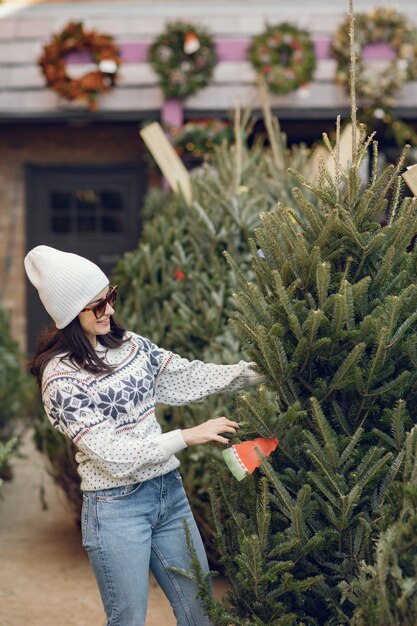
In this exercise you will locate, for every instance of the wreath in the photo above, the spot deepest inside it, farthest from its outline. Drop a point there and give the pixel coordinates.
(90, 86)
(285, 56)
(184, 58)
(198, 138)
(381, 25)
(388, 126)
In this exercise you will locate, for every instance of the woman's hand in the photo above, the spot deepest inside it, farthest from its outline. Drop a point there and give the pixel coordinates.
(209, 431)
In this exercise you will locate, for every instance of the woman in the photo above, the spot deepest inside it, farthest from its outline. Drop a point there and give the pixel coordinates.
(100, 385)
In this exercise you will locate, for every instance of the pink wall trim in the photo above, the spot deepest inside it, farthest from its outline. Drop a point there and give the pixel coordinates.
(172, 113)
(232, 50)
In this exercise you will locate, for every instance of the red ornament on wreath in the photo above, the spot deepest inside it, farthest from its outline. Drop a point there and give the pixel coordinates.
(101, 48)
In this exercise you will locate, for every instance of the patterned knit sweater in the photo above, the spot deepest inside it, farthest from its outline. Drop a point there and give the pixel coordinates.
(111, 417)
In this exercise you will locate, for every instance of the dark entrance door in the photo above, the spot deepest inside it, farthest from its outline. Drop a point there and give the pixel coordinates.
(90, 210)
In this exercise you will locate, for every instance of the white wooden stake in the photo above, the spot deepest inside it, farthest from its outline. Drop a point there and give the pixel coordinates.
(410, 177)
(167, 159)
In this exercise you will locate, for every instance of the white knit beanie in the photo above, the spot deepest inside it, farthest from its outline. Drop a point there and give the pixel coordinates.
(66, 282)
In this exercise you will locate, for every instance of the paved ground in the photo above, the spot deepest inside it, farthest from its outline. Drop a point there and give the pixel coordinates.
(45, 577)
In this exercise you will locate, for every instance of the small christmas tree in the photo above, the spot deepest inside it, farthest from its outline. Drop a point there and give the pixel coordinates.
(330, 319)
(17, 396)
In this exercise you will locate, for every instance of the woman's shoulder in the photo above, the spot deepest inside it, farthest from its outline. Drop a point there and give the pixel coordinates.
(58, 366)
(141, 342)
(59, 361)
(145, 345)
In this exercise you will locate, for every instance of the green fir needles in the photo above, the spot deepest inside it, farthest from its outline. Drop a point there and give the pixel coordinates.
(330, 318)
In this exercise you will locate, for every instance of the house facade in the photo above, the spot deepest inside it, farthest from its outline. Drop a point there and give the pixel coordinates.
(75, 178)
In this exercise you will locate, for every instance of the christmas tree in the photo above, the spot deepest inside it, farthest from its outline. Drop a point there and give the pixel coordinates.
(329, 317)
(176, 287)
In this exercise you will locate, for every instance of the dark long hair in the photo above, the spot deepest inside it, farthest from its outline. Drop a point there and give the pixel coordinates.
(72, 343)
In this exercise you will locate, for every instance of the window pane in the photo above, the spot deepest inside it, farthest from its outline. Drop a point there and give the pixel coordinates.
(61, 223)
(60, 200)
(86, 223)
(112, 223)
(86, 199)
(87, 211)
(112, 200)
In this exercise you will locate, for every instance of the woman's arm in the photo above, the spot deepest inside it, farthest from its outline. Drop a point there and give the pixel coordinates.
(118, 451)
(180, 381)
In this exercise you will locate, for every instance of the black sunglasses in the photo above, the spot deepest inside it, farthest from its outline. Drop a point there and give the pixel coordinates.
(100, 308)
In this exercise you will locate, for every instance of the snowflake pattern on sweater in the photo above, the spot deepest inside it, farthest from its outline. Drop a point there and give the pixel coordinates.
(111, 417)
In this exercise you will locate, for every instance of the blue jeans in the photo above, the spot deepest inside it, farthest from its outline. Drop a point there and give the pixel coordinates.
(126, 531)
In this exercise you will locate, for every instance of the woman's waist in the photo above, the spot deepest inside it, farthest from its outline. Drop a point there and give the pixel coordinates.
(95, 478)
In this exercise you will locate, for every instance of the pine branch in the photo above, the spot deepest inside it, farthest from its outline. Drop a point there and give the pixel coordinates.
(371, 464)
(356, 437)
(341, 376)
(410, 454)
(341, 420)
(282, 493)
(253, 409)
(317, 480)
(263, 516)
(219, 528)
(213, 608)
(411, 347)
(323, 282)
(287, 305)
(327, 471)
(392, 474)
(352, 82)
(396, 384)
(238, 147)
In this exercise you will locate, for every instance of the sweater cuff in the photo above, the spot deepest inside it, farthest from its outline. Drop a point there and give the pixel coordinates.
(172, 442)
(253, 377)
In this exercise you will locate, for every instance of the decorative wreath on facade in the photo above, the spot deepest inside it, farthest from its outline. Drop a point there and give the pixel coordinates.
(101, 48)
(380, 26)
(198, 138)
(285, 56)
(387, 126)
(184, 58)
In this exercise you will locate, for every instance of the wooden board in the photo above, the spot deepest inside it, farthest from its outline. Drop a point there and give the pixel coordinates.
(410, 177)
(345, 155)
(167, 159)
